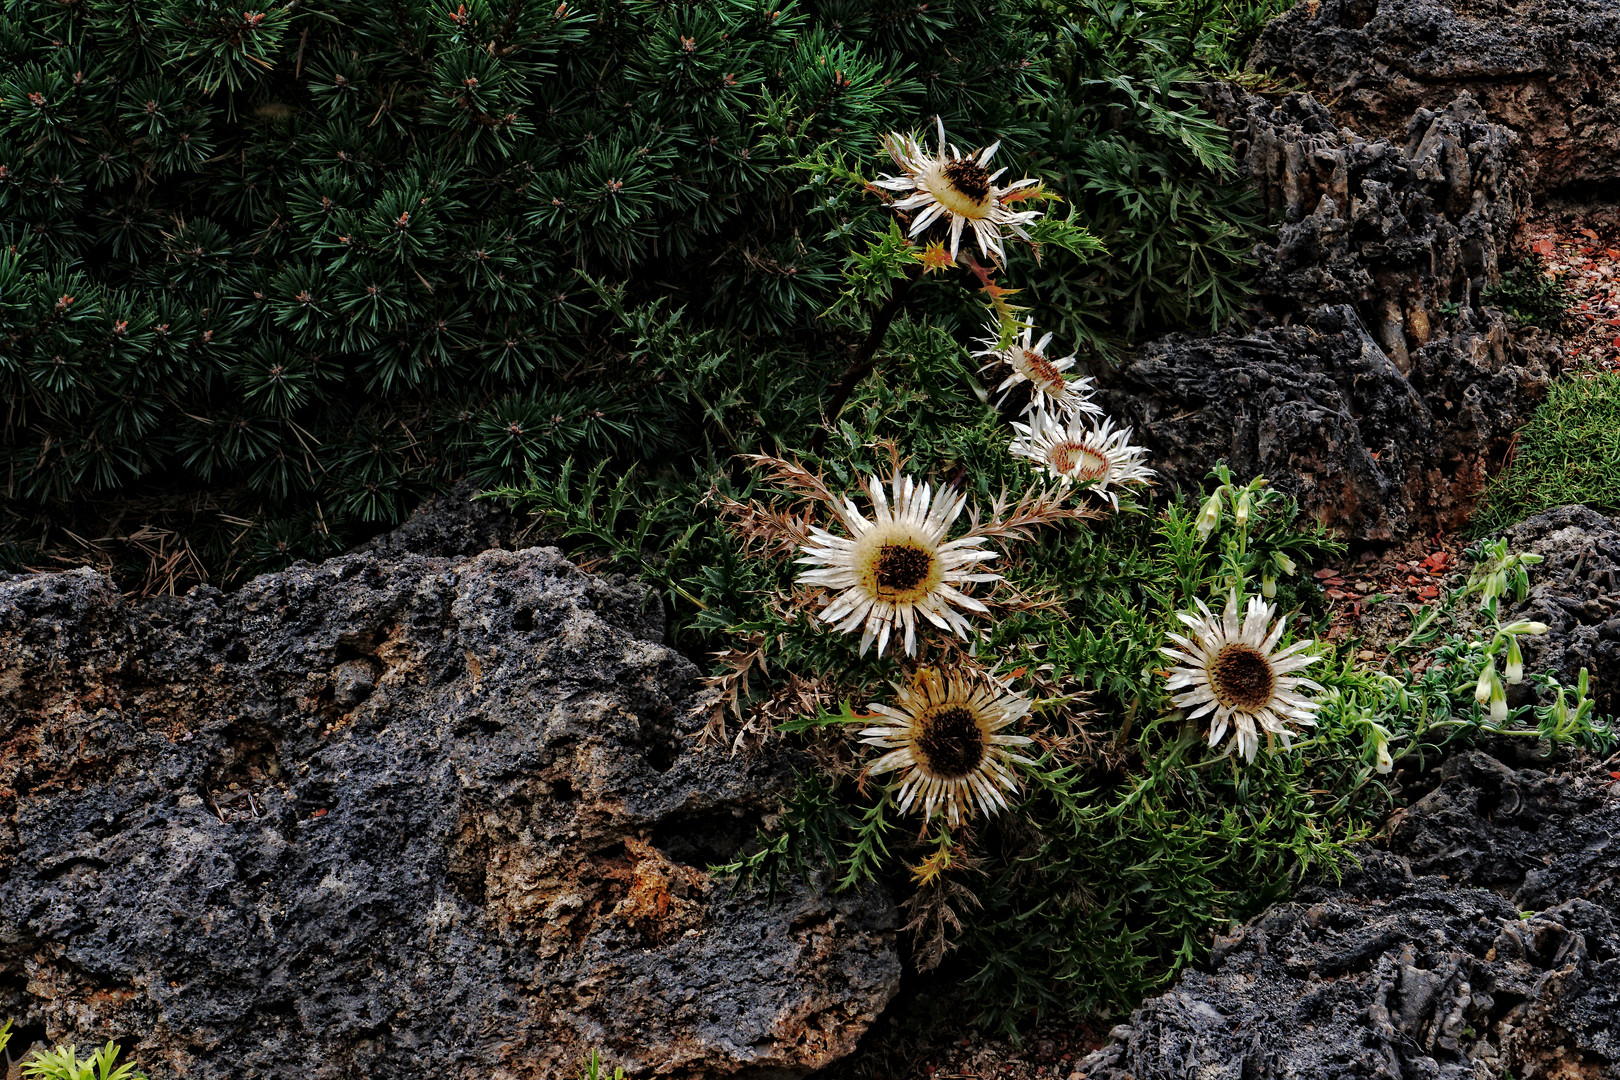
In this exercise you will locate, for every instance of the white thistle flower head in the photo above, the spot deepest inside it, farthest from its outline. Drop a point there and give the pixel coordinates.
(957, 187)
(1026, 359)
(1232, 668)
(946, 738)
(1073, 451)
(898, 566)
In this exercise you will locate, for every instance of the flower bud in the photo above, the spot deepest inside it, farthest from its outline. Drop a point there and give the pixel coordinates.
(1209, 516)
(1487, 675)
(1499, 711)
(1385, 762)
(1525, 626)
(1241, 514)
(1515, 662)
(1268, 587)
(1286, 565)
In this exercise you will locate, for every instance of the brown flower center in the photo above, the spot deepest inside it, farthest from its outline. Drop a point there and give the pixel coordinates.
(951, 741)
(1242, 677)
(1079, 460)
(899, 568)
(969, 177)
(1044, 372)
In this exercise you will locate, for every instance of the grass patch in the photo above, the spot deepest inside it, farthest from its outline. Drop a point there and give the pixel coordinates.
(1568, 453)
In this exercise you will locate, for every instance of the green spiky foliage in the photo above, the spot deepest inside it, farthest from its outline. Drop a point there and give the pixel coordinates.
(269, 276)
(64, 1063)
(1131, 843)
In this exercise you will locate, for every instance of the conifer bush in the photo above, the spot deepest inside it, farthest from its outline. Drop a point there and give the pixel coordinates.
(267, 277)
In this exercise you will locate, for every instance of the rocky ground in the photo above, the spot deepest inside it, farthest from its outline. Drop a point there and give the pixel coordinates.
(1580, 245)
(1524, 989)
(1377, 387)
(1542, 67)
(1481, 943)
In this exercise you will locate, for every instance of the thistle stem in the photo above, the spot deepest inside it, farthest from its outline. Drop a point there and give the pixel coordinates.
(864, 359)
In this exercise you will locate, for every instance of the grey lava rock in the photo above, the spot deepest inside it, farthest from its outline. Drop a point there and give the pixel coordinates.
(1381, 395)
(1483, 944)
(1407, 231)
(397, 817)
(1576, 592)
(454, 522)
(1545, 68)
(1320, 409)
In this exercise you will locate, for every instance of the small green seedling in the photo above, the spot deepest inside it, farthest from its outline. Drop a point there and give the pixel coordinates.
(593, 1069)
(64, 1063)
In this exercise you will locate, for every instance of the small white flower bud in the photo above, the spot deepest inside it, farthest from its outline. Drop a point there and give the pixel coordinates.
(1209, 516)
(1515, 662)
(1385, 762)
(1487, 676)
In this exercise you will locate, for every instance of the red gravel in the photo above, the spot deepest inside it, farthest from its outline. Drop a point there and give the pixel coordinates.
(1582, 245)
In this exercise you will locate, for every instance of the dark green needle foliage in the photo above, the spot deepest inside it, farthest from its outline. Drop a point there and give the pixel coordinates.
(268, 276)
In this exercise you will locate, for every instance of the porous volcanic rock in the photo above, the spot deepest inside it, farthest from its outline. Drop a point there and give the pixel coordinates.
(1406, 231)
(397, 817)
(1482, 944)
(1546, 68)
(1576, 592)
(1321, 410)
(1378, 390)
(454, 522)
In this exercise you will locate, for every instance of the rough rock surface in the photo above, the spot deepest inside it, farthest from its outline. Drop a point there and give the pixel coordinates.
(1483, 944)
(1545, 68)
(1383, 394)
(1576, 592)
(396, 817)
(454, 522)
(1319, 408)
(1403, 230)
